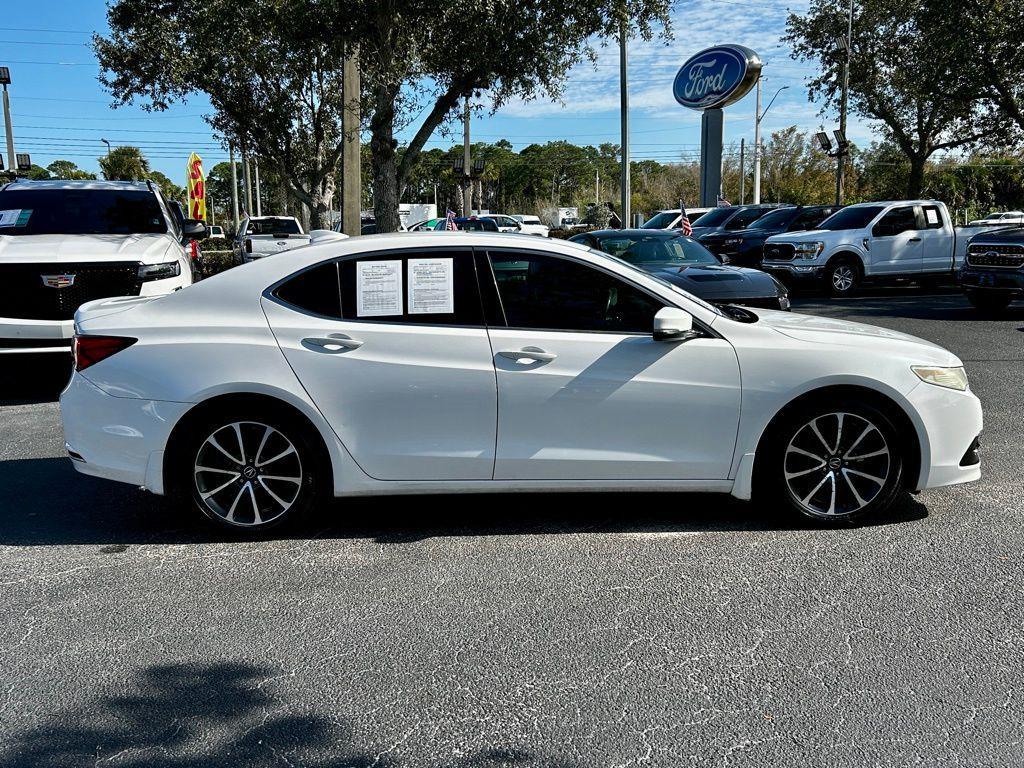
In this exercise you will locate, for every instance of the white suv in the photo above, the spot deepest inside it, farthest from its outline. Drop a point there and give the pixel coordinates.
(63, 243)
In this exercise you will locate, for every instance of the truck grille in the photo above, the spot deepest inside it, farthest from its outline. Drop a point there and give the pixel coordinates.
(1005, 256)
(778, 252)
(25, 295)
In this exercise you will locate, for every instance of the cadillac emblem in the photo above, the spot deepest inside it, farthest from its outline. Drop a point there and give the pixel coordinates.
(58, 281)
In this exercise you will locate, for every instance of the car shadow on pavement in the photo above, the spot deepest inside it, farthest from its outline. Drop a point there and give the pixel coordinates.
(216, 713)
(46, 502)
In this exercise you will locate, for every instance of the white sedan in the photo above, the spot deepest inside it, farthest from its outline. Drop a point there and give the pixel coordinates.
(427, 364)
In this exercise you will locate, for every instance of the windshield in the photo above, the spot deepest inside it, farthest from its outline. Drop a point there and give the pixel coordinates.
(674, 251)
(745, 218)
(80, 212)
(775, 220)
(274, 227)
(855, 217)
(661, 220)
(716, 217)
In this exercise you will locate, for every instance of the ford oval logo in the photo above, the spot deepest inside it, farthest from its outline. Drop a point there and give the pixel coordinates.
(716, 77)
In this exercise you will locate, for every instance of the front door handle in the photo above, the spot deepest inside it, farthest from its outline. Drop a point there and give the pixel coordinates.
(534, 354)
(332, 342)
(915, 240)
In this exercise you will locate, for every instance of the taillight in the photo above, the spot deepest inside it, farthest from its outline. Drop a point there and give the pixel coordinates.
(89, 350)
(248, 246)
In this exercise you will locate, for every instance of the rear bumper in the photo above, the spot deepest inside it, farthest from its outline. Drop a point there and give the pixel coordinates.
(117, 438)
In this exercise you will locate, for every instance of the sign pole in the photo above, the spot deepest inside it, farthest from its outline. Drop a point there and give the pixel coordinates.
(626, 182)
(712, 126)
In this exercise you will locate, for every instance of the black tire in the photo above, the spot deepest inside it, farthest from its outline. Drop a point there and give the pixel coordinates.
(821, 479)
(989, 302)
(274, 462)
(843, 276)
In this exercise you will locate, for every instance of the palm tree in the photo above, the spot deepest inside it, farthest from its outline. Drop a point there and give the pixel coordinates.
(125, 164)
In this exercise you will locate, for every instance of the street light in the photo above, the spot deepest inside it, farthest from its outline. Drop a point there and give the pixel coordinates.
(108, 146)
(758, 117)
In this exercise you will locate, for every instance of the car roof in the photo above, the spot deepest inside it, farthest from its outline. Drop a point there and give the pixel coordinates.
(665, 234)
(68, 184)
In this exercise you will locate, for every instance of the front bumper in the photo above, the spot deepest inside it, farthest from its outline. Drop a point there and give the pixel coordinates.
(952, 421)
(31, 336)
(790, 272)
(997, 279)
(117, 438)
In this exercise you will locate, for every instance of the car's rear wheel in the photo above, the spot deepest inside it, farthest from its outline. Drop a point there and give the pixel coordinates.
(833, 463)
(251, 472)
(843, 276)
(989, 302)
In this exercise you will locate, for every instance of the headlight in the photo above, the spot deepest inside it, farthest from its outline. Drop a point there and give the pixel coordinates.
(159, 271)
(950, 378)
(808, 250)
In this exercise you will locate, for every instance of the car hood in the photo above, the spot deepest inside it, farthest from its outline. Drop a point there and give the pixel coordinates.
(826, 330)
(744, 234)
(699, 232)
(716, 282)
(148, 249)
(802, 237)
(1014, 235)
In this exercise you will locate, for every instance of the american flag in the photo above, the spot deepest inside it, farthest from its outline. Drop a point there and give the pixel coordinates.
(723, 203)
(449, 223)
(684, 220)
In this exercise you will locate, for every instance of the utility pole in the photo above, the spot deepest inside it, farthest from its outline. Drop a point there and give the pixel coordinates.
(467, 185)
(234, 184)
(624, 219)
(743, 172)
(259, 197)
(841, 149)
(5, 80)
(757, 144)
(351, 162)
(247, 182)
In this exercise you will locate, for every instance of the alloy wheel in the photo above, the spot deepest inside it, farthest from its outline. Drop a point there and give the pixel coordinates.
(836, 464)
(843, 278)
(247, 473)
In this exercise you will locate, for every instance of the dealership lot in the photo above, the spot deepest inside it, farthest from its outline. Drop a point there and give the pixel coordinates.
(547, 630)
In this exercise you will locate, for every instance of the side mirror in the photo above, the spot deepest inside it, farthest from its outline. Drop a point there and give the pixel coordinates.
(194, 229)
(671, 324)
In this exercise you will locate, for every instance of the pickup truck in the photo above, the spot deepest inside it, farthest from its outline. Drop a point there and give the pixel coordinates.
(895, 240)
(993, 272)
(262, 236)
(65, 243)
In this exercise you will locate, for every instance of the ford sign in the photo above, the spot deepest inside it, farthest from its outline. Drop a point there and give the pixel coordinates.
(716, 77)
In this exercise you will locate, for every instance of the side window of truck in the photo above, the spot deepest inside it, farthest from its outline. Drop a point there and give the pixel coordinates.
(895, 222)
(931, 217)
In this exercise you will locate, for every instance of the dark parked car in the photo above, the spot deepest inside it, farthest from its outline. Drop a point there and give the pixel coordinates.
(743, 247)
(730, 218)
(993, 272)
(686, 263)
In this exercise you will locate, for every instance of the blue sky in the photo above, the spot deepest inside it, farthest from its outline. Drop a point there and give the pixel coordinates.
(61, 111)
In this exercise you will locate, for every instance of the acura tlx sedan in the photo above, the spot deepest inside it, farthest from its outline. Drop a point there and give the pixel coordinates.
(442, 362)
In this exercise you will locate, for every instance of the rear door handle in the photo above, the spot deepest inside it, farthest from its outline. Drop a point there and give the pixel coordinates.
(332, 342)
(536, 354)
(915, 240)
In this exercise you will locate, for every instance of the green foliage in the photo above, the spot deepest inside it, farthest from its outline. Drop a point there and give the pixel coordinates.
(65, 169)
(124, 164)
(168, 188)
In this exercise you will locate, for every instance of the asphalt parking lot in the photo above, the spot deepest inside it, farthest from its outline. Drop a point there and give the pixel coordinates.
(539, 630)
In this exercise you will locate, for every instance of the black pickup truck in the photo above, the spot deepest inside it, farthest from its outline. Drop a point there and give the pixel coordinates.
(993, 272)
(743, 248)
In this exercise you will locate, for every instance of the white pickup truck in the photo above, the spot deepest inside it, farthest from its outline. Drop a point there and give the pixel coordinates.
(895, 240)
(64, 243)
(261, 236)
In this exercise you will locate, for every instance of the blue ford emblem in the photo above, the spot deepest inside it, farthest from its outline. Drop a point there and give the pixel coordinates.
(716, 77)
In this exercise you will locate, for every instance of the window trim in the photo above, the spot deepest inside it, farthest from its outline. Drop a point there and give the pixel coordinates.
(270, 293)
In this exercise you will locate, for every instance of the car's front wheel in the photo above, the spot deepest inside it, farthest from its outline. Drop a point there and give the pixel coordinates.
(251, 472)
(843, 276)
(832, 463)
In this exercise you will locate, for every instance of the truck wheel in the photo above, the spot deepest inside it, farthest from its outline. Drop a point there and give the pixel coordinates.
(843, 276)
(989, 302)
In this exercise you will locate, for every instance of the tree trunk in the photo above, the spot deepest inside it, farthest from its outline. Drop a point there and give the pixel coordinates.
(384, 162)
(915, 181)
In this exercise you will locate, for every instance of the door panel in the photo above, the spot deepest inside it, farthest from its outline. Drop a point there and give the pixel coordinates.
(896, 243)
(611, 406)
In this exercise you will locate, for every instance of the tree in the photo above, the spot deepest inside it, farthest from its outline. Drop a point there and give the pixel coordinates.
(420, 58)
(38, 173)
(65, 169)
(124, 164)
(900, 74)
(168, 188)
(275, 81)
